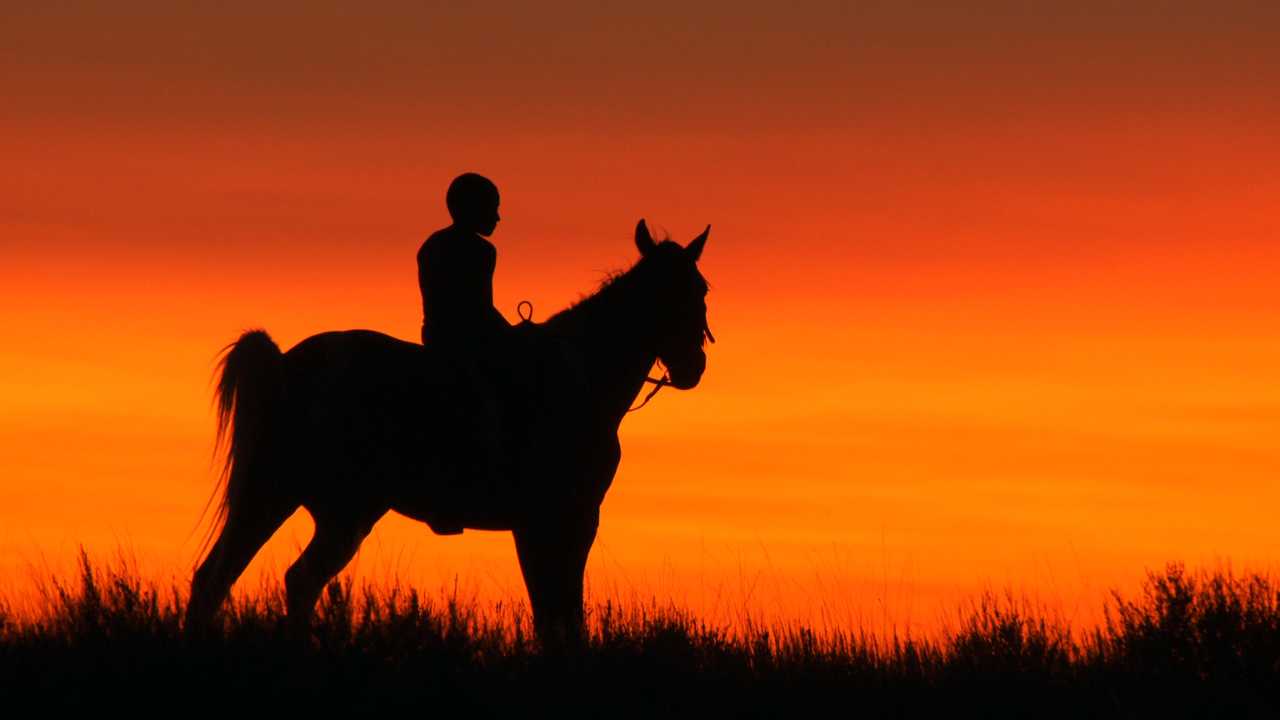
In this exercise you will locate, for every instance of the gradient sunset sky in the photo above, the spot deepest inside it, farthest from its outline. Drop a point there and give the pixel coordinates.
(995, 283)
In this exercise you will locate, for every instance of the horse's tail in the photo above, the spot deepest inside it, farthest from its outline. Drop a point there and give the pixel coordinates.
(250, 373)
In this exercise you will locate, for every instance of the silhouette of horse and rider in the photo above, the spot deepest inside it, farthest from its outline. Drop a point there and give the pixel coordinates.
(484, 425)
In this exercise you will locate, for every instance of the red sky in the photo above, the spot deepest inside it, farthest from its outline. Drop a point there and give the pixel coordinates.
(994, 286)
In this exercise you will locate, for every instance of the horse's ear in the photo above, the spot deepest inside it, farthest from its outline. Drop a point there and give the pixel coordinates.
(695, 248)
(644, 241)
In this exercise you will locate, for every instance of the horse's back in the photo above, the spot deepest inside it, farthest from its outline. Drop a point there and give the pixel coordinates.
(361, 372)
(353, 341)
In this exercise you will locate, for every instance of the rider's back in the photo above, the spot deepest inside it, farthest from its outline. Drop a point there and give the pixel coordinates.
(455, 275)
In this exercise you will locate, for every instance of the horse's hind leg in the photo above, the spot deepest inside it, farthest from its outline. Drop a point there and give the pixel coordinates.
(244, 533)
(335, 542)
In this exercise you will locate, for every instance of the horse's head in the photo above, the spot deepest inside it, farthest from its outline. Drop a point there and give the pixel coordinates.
(680, 295)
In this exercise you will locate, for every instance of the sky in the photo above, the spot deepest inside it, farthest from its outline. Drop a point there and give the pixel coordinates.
(994, 285)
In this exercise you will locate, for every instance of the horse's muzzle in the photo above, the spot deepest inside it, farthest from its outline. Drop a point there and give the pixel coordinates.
(686, 375)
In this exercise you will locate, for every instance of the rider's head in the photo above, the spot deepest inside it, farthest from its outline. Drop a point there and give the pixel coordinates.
(473, 203)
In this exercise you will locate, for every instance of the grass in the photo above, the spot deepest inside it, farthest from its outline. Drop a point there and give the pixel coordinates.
(1190, 645)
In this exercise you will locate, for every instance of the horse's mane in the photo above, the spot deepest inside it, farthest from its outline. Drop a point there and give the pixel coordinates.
(614, 286)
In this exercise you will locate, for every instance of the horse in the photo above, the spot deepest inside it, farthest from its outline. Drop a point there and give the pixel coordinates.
(353, 424)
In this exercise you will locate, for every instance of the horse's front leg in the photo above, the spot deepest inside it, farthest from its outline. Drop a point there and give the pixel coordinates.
(553, 557)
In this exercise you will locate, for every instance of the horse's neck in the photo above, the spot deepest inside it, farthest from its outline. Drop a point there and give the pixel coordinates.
(619, 374)
(615, 360)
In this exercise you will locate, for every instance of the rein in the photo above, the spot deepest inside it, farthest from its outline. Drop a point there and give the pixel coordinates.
(658, 384)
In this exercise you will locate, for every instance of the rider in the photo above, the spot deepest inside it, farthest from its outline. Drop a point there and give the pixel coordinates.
(455, 270)
(459, 321)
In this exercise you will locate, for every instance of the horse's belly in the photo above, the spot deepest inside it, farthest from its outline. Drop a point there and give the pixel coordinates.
(445, 520)
(449, 500)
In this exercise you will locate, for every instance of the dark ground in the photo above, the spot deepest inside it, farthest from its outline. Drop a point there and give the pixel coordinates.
(1192, 645)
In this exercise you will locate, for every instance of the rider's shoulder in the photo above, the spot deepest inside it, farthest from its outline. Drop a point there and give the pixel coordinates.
(439, 240)
(443, 235)
(451, 246)
(455, 237)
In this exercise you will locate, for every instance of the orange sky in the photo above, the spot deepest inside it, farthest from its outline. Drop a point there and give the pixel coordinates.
(994, 289)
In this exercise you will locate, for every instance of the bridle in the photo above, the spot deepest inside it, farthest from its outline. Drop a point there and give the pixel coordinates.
(665, 380)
